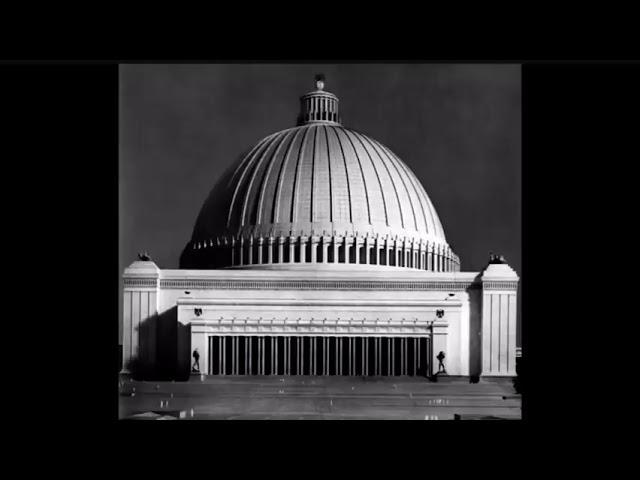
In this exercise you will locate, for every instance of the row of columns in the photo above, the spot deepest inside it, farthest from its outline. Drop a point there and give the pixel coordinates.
(337, 249)
(318, 107)
(351, 356)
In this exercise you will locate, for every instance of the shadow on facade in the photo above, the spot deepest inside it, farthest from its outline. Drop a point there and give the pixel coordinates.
(157, 359)
(475, 333)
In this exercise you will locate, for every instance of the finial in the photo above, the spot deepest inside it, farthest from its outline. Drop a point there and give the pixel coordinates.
(320, 81)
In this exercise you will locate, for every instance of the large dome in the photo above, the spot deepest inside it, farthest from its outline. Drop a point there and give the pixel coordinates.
(307, 194)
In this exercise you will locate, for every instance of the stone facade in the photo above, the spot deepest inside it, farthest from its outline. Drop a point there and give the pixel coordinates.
(169, 313)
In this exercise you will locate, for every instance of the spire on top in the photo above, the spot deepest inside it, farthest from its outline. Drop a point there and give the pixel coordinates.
(320, 81)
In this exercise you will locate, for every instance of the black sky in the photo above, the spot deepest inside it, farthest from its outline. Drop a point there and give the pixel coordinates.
(458, 127)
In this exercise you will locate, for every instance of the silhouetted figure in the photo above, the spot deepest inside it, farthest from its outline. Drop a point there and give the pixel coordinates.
(196, 361)
(440, 358)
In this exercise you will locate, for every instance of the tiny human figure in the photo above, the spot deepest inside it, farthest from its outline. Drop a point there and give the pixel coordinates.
(196, 361)
(440, 358)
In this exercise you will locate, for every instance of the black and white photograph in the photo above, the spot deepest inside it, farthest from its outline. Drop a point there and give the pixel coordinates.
(319, 241)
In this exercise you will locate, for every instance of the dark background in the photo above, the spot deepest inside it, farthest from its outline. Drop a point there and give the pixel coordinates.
(579, 141)
(457, 126)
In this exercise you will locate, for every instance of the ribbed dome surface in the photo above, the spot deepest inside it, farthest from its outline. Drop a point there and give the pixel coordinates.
(319, 193)
(320, 178)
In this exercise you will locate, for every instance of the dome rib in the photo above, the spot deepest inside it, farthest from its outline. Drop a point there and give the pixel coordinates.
(346, 172)
(281, 180)
(393, 184)
(267, 154)
(261, 146)
(364, 180)
(393, 158)
(326, 140)
(406, 189)
(378, 182)
(421, 195)
(296, 180)
(265, 178)
(312, 200)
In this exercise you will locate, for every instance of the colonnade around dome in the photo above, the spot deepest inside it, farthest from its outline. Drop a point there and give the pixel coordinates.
(353, 250)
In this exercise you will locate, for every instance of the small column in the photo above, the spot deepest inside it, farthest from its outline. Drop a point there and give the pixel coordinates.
(272, 359)
(435, 258)
(292, 246)
(259, 357)
(233, 249)
(314, 249)
(251, 355)
(224, 355)
(375, 253)
(302, 356)
(388, 356)
(416, 255)
(270, 243)
(347, 246)
(233, 355)
(367, 250)
(251, 250)
(335, 249)
(314, 361)
(246, 355)
(340, 357)
(385, 245)
(303, 249)
(366, 355)
(375, 356)
(260, 249)
(444, 259)
(237, 355)
(284, 355)
(357, 247)
(335, 343)
(406, 355)
(430, 256)
(280, 249)
(405, 253)
(326, 355)
(325, 249)
(393, 356)
(241, 251)
(277, 360)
